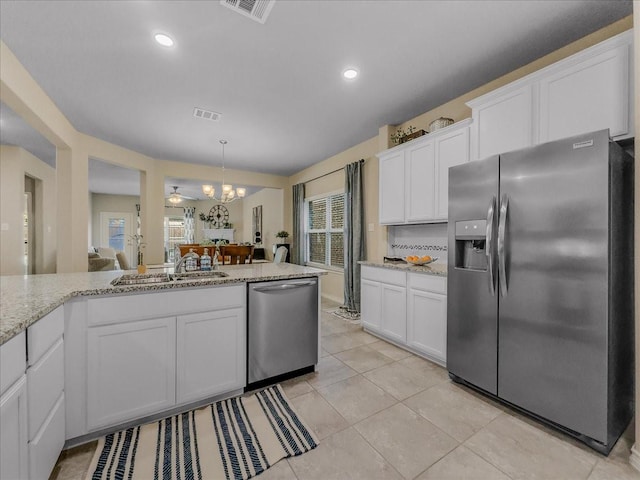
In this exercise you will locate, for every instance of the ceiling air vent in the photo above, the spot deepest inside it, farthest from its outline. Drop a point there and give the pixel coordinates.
(206, 114)
(257, 10)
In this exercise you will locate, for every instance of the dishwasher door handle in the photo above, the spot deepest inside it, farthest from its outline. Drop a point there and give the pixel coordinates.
(284, 286)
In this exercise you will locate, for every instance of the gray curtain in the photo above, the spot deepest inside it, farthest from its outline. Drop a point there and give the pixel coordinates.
(354, 245)
(189, 224)
(297, 247)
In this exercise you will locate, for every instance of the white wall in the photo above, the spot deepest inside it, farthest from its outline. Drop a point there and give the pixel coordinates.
(110, 203)
(15, 163)
(272, 201)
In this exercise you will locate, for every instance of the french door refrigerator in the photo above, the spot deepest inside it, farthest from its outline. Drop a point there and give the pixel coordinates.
(540, 283)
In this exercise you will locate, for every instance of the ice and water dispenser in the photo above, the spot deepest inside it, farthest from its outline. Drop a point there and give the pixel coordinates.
(470, 252)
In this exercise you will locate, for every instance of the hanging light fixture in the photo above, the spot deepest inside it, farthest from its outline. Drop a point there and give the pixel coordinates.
(229, 194)
(175, 197)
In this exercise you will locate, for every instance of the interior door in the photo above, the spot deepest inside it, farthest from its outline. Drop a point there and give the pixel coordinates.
(116, 229)
(554, 282)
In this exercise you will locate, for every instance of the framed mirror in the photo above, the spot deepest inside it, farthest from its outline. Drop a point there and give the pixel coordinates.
(257, 225)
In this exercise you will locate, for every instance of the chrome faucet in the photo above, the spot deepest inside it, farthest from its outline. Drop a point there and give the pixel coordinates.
(180, 263)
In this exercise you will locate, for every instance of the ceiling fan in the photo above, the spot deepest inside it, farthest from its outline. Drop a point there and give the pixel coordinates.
(176, 197)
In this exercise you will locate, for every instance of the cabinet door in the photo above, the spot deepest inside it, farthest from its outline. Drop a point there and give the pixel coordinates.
(394, 312)
(370, 304)
(427, 323)
(451, 150)
(131, 370)
(46, 446)
(420, 194)
(45, 380)
(392, 189)
(503, 123)
(211, 353)
(13, 434)
(588, 96)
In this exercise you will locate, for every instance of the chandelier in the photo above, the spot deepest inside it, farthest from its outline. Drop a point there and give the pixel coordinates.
(229, 194)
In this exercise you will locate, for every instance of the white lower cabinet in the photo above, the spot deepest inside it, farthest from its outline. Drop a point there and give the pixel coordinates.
(384, 301)
(45, 399)
(14, 452)
(427, 317)
(370, 303)
(409, 309)
(46, 445)
(394, 311)
(210, 354)
(137, 355)
(131, 370)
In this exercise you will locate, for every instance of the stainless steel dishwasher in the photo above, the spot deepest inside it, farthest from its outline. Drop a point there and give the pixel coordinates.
(282, 330)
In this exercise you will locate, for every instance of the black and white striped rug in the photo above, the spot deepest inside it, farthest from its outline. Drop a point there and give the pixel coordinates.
(236, 438)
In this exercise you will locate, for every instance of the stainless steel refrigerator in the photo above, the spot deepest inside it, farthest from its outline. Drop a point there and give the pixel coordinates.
(540, 283)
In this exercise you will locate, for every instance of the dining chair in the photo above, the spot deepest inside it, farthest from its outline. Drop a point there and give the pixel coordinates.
(236, 254)
(281, 255)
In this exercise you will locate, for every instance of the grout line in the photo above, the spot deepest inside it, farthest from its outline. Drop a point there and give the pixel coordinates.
(375, 450)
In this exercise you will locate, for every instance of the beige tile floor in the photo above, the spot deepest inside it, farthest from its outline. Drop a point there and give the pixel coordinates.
(383, 413)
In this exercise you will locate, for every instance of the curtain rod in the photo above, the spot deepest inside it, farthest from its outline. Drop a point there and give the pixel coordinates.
(362, 160)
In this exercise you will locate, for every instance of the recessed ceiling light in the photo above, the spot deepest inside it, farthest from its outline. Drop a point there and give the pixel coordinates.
(163, 39)
(350, 73)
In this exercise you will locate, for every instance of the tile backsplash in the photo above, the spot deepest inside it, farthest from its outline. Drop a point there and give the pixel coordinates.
(420, 240)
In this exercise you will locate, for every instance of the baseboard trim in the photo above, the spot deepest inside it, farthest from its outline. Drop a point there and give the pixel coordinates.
(634, 458)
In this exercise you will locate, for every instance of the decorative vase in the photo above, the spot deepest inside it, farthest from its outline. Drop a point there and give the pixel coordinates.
(142, 268)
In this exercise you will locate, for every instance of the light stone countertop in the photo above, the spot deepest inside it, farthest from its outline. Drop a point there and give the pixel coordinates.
(437, 269)
(24, 299)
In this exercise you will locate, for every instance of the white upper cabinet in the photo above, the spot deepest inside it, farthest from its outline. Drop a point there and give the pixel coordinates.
(502, 121)
(419, 167)
(591, 90)
(392, 188)
(451, 149)
(414, 177)
(587, 95)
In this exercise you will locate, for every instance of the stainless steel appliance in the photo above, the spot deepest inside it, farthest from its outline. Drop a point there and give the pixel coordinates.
(282, 329)
(540, 283)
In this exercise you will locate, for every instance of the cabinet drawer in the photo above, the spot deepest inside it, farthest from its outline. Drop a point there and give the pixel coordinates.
(45, 383)
(13, 361)
(44, 333)
(384, 275)
(141, 306)
(45, 448)
(429, 283)
(14, 461)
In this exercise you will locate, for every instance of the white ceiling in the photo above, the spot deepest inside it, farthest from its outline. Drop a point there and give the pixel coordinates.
(278, 86)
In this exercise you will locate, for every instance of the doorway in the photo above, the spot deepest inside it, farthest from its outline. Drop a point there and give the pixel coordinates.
(29, 225)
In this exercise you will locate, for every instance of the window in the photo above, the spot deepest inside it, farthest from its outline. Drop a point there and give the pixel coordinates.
(325, 230)
(173, 235)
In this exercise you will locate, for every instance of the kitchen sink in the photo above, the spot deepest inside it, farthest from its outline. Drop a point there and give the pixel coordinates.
(153, 278)
(144, 279)
(198, 275)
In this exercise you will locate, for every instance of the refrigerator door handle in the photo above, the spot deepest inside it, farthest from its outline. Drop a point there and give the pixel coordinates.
(502, 261)
(489, 246)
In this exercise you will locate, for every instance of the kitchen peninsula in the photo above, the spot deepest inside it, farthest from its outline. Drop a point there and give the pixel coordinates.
(101, 357)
